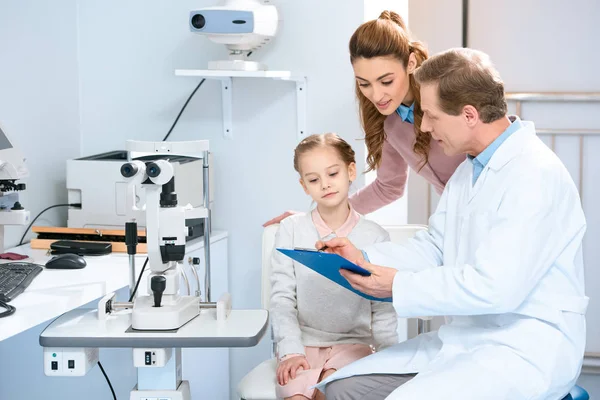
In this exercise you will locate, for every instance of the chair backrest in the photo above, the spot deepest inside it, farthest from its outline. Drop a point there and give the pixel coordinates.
(268, 244)
(401, 233)
(398, 234)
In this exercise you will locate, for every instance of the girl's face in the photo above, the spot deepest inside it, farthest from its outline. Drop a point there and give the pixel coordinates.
(325, 177)
(385, 81)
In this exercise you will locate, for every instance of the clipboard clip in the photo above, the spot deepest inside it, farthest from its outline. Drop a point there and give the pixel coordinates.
(321, 250)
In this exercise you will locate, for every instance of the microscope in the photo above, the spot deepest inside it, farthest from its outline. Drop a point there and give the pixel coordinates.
(12, 169)
(163, 308)
(159, 324)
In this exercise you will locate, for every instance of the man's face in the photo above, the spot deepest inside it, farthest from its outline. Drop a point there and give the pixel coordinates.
(451, 132)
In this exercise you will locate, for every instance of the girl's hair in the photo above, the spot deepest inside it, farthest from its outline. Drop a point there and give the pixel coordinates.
(324, 140)
(384, 37)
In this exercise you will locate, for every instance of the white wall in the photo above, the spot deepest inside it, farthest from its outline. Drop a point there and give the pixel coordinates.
(542, 46)
(39, 98)
(129, 91)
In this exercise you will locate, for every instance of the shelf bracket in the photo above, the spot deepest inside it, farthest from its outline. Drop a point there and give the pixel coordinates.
(301, 107)
(227, 96)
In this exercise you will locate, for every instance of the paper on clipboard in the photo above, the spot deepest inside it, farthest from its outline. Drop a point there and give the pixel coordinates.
(329, 265)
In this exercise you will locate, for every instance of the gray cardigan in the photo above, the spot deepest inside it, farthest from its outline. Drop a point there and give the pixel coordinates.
(307, 309)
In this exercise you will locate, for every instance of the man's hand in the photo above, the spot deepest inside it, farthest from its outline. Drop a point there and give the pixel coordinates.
(342, 247)
(378, 284)
(287, 369)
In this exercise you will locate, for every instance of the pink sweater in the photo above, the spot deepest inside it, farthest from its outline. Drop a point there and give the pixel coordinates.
(397, 156)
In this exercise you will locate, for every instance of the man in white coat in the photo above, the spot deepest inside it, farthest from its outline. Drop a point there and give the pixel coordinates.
(502, 259)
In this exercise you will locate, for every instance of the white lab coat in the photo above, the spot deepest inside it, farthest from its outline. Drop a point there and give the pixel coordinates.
(502, 260)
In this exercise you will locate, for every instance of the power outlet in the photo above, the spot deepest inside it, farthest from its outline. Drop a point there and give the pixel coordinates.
(69, 361)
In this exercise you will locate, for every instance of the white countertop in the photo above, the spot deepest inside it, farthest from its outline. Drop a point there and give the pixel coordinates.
(54, 292)
(82, 328)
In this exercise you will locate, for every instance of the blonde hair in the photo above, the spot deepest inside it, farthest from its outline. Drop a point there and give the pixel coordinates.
(384, 37)
(465, 77)
(332, 140)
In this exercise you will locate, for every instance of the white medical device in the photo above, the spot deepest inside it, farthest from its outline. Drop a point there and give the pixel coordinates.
(95, 181)
(12, 169)
(156, 326)
(242, 25)
(163, 308)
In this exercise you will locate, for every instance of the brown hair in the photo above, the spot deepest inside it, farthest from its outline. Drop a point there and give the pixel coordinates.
(465, 77)
(324, 140)
(384, 37)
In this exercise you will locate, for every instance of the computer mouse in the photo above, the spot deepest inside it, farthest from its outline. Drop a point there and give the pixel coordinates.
(66, 261)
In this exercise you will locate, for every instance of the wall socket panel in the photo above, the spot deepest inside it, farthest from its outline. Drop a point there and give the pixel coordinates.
(69, 361)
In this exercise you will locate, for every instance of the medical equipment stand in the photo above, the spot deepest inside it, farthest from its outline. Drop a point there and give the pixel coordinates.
(157, 352)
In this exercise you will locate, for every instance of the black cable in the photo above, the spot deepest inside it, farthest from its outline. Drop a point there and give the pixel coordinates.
(138, 280)
(107, 380)
(10, 310)
(183, 108)
(43, 211)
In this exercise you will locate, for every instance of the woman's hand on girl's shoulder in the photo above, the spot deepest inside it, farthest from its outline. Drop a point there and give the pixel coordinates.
(280, 218)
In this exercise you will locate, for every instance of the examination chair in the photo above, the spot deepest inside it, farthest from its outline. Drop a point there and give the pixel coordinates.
(260, 383)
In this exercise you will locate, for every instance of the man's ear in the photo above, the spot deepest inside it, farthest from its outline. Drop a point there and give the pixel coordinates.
(303, 185)
(471, 115)
(412, 63)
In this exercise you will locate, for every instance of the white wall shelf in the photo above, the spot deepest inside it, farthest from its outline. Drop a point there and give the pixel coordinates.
(226, 84)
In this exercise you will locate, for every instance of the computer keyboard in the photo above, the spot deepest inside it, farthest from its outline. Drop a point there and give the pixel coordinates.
(15, 277)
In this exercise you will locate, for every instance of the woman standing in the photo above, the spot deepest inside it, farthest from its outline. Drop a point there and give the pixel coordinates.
(384, 58)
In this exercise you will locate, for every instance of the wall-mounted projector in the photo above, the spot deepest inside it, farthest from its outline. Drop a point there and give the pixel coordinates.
(243, 26)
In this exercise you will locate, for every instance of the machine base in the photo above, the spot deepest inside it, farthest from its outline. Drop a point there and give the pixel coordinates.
(167, 317)
(182, 393)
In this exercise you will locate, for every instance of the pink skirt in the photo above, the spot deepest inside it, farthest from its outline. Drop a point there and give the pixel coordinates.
(321, 359)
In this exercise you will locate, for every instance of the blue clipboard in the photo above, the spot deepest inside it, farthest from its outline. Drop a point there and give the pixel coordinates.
(329, 265)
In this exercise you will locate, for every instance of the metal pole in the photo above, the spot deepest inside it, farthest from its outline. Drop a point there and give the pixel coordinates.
(423, 326)
(205, 170)
(465, 23)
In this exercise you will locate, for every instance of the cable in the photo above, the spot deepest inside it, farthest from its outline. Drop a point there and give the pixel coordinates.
(183, 108)
(107, 380)
(10, 310)
(138, 280)
(43, 211)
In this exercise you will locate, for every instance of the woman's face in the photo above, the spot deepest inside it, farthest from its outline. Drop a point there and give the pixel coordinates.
(384, 81)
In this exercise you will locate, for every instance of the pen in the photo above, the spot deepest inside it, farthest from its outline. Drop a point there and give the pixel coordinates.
(323, 248)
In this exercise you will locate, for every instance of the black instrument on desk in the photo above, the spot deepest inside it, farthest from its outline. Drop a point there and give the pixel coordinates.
(15, 277)
(80, 248)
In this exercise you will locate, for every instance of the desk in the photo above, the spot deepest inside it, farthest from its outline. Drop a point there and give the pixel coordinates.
(55, 292)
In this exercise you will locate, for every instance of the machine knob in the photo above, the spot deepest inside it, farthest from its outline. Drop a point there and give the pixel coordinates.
(21, 186)
(131, 238)
(17, 206)
(158, 284)
(196, 261)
